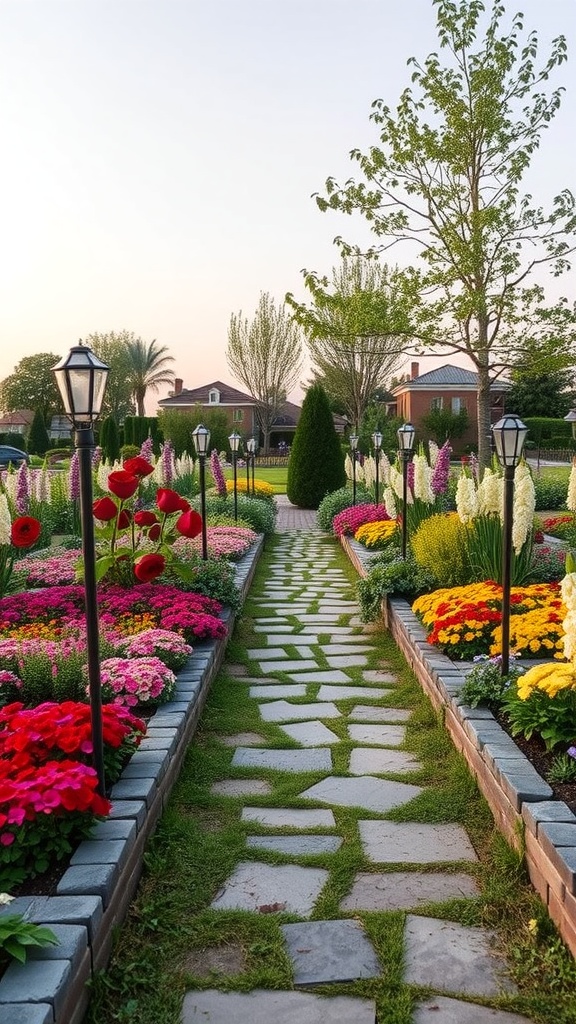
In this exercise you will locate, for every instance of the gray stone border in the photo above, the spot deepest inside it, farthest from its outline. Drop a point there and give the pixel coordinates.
(522, 803)
(95, 892)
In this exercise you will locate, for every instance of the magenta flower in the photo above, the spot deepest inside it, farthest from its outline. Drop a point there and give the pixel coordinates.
(442, 469)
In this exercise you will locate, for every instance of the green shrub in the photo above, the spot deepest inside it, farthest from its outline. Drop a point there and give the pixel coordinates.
(14, 439)
(214, 578)
(551, 491)
(394, 576)
(110, 440)
(259, 515)
(316, 464)
(337, 501)
(440, 546)
(542, 428)
(485, 684)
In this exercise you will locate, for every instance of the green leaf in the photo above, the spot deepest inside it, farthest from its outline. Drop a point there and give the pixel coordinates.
(103, 565)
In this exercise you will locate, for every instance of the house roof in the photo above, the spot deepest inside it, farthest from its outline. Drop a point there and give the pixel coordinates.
(19, 417)
(447, 376)
(199, 396)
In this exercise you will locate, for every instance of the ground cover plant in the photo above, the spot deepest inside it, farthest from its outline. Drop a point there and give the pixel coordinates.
(173, 941)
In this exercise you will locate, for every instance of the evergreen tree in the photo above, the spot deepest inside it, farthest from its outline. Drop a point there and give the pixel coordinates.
(38, 440)
(110, 439)
(316, 465)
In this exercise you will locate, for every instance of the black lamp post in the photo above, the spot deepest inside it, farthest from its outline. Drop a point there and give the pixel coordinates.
(509, 435)
(377, 445)
(201, 438)
(353, 440)
(234, 442)
(250, 457)
(81, 378)
(405, 435)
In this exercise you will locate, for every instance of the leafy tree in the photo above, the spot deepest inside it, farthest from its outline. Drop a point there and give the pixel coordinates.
(177, 426)
(148, 369)
(32, 386)
(316, 465)
(446, 176)
(38, 440)
(443, 424)
(266, 355)
(112, 348)
(352, 331)
(542, 381)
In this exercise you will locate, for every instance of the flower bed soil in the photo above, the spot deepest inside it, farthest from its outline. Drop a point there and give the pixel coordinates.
(542, 760)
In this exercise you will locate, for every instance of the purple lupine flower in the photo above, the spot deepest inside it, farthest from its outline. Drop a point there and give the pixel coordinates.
(22, 499)
(218, 475)
(96, 458)
(167, 460)
(147, 449)
(442, 469)
(411, 476)
(74, 478)
(473, 466)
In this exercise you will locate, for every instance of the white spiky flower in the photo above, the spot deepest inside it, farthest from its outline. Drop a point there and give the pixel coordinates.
(348, 469)
(490, 494)
(524, 506)
(571, 499)
(389, 501)
(433, 449)
(423, 479)
(396, 481)
(5, 520)
(369, 471)
(466, 498)
(384, 469)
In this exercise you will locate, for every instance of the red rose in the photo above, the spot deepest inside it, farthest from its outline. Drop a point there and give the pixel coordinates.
(123, 484)
(145, 518)
(184, 505)
(104, 509)
(138, 466)
(149, 567)
(25, 531)
(168, 501)
(154, 532)
(189, 524)
(124, 519)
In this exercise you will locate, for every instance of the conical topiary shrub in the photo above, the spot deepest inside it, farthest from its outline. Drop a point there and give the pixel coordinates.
(316, 464)
(38, 440)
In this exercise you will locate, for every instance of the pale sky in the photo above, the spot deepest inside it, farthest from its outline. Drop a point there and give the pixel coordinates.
(158, 157)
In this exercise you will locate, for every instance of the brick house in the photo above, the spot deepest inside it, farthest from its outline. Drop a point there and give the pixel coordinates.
(447, 387)
(240, 410)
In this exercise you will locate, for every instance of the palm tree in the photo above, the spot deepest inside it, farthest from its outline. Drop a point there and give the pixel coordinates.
(148, 369)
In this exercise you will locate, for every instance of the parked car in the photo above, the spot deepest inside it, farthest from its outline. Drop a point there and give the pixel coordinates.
(12, 455)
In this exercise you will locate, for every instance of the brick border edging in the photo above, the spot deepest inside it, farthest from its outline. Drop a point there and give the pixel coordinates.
(522, 803)
(94, 894)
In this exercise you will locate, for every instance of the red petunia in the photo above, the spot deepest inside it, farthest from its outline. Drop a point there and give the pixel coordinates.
(168, 501)
(104, 509)
(25, 531)
(189, 524)
(138, 466)
(145, 518)
(149, 567)
(123, 484)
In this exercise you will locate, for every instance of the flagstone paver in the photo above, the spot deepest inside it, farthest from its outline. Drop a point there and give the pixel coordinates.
(405, 890)
(452, 957)
(370, 713)
(258, 887)
(262, 1007)
(310, 734)
(364, 791)
(378, 735)
(329, 951)
(414, 842)
(307, 605)
(378, 761)
(282, 711)
(310, 759)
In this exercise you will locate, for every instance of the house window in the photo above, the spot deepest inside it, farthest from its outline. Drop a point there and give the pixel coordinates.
(238, 415)
(436, 403)
(457, 405)
(214, 397)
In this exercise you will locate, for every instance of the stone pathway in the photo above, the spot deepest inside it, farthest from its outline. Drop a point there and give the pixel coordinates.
(439, 955)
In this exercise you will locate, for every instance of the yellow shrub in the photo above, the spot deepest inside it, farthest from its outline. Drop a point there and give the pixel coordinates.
(262, 487)
(377, 534)
(440, 545)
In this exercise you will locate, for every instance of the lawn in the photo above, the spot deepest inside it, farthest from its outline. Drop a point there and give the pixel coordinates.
(275, 475)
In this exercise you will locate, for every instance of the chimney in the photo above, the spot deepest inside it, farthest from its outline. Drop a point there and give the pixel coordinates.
(414, 370)
(178, 385)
